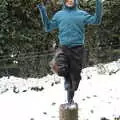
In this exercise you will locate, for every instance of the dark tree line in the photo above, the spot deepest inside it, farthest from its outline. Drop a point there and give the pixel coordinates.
(24, 45)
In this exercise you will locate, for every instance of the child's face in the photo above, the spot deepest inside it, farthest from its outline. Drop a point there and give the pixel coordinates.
(69, 3)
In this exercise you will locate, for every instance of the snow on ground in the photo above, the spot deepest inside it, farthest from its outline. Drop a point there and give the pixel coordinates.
(98, 95)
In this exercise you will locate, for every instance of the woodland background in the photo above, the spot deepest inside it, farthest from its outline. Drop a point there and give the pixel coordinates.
(25, 49)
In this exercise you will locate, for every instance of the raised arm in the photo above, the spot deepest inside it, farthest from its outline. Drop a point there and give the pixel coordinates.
(48, 24)
(97, 17)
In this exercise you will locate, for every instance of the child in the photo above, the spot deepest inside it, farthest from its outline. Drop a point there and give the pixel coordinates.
(70, 21)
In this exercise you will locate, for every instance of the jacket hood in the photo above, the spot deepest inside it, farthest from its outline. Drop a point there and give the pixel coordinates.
(62, 2)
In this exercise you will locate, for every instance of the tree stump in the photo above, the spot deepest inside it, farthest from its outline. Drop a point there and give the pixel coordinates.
(68, 112)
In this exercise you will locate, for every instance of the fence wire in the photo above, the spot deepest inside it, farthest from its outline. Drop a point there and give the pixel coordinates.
(32, 64)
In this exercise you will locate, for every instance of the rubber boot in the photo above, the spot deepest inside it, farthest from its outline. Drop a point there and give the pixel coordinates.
(70, 95)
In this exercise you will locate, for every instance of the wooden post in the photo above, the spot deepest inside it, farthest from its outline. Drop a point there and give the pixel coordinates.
(68, 112)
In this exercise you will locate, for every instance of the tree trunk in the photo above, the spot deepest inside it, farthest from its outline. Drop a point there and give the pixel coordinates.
(68, 112)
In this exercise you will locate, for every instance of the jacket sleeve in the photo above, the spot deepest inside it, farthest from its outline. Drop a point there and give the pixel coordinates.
(97, 17)
(48, 24)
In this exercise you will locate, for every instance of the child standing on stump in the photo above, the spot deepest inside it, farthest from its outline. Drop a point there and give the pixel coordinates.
(70, 21)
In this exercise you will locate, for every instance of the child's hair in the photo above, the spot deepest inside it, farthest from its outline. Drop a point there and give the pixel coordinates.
(65, 1)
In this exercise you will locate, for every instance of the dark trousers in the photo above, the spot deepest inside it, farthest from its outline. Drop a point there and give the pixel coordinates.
(67, 62)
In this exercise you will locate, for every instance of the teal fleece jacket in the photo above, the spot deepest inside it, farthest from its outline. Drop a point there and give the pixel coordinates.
(71, 23)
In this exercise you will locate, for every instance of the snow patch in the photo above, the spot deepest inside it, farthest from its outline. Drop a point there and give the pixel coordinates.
(98, 95)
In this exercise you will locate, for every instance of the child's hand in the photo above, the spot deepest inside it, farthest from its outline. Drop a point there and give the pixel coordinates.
(41, 7)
